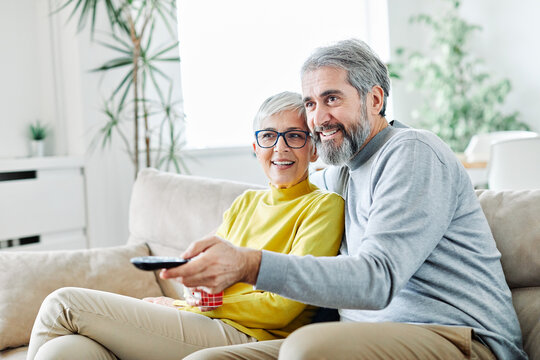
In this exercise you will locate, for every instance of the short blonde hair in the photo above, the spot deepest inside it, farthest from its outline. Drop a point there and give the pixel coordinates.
(275, 104)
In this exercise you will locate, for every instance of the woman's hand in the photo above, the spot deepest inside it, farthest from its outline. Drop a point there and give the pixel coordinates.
(190, 299)
(161, 300)
(192, 296)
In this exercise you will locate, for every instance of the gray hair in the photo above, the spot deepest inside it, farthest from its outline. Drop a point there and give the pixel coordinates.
(275, 104)
(363, 66)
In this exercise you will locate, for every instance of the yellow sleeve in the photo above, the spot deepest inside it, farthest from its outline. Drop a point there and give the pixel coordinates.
(321, 230)
(319, 234)
(259, 310)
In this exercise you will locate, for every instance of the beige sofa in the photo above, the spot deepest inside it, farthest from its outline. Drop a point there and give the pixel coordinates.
(168, 211)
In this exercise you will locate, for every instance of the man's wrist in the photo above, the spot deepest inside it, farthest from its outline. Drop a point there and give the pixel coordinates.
(252, 265)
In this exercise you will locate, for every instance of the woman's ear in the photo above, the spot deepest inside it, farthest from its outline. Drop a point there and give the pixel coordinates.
(255, 149)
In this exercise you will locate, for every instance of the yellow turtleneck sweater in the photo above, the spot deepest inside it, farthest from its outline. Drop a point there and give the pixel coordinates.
(300, 220)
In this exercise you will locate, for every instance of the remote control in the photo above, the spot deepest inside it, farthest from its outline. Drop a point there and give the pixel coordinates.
(157, 262)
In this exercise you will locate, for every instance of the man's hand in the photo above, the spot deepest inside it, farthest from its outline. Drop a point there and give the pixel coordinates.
(216, 264)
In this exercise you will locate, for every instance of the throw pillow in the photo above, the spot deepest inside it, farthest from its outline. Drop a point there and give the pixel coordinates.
(26, 278)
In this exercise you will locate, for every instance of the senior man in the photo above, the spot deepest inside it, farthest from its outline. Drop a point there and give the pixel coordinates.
(419, 276)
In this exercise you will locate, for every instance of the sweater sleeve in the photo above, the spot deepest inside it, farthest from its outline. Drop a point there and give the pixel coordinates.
(413, 201)
(319, 234)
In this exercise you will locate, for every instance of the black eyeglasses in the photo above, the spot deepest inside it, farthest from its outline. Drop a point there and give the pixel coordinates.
(295, 139)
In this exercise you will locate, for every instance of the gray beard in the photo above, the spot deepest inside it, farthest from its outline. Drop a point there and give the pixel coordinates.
(334, 154)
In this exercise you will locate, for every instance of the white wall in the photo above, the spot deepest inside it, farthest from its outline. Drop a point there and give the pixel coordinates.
(45, 75)
(42, 56)
(507, 43)
(20, 73)
(232, 163)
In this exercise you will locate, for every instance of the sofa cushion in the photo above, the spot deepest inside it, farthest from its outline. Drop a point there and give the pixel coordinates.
(14, 354)
(40, 273)
(169, 211)
(527, 304)
(513, 218)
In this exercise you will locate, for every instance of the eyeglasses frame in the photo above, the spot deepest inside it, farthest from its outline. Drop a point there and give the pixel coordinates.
(282, 134)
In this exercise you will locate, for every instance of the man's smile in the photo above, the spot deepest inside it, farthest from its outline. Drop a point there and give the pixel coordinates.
(327, 132)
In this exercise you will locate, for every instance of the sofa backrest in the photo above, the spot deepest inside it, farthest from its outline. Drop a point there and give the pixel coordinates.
(170, 211)
(514, 218)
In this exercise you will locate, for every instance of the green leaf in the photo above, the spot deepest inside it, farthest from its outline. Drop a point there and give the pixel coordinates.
(127, 45)
(38, 131)
(113, 64)
(127, 51)
(125, 94)
(151, 70)
(150, 36)
(166, 49)
(155, 69)
(162, 15)
(172, 59)
(128, 78)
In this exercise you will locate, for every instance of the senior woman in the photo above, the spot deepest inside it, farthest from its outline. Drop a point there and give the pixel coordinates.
(292, 216)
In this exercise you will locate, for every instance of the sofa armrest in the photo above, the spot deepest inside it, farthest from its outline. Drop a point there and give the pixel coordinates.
(26, 278)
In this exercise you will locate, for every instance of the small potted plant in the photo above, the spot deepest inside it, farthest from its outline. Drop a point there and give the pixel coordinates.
(38, 133)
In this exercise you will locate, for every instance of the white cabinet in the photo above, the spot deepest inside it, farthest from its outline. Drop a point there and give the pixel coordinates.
(42, 204)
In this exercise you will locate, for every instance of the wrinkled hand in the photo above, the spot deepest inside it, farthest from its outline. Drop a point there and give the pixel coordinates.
(161, 300)
(216, 264)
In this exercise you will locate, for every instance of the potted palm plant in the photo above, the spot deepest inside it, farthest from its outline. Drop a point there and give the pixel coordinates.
(155, 138)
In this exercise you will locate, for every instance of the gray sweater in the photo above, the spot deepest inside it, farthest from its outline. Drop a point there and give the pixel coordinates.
(417, 247)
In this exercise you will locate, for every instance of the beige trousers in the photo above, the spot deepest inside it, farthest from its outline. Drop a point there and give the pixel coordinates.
(76, 323)
(369, 341)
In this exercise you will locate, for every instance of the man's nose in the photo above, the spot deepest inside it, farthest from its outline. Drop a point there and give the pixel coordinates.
(281, 145)
(319, 116)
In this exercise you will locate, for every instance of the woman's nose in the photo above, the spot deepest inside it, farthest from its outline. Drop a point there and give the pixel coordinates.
(281, 145)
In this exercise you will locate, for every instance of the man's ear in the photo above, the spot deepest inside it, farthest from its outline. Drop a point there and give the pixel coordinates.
(314, 154)
(377, 100)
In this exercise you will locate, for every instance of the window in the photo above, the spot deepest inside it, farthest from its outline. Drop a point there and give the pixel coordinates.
(236, 53)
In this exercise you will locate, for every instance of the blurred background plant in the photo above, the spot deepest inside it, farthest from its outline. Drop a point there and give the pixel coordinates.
(38, 131)
(460, 98)
(138, 96)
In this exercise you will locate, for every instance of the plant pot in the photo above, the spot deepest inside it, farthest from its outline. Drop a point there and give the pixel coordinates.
(37, 147)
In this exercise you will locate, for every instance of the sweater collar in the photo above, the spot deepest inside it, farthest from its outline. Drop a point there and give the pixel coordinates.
(300, 189)
(374, 145)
